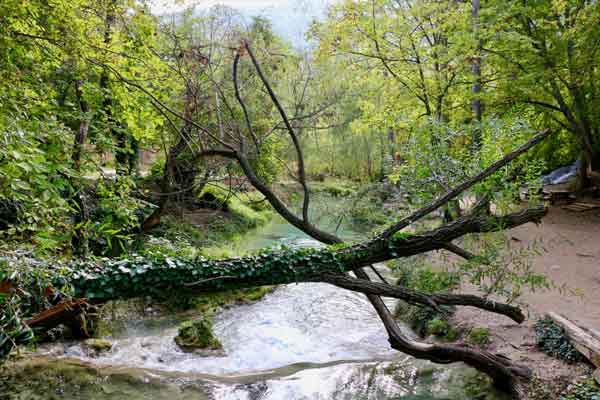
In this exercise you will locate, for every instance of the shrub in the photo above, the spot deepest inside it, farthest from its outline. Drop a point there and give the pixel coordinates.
(426, 320)
(587, 389)
(368, 209)
(424, 278)
(441, 328)
(553, 340)
(157, 169)
(479, 337)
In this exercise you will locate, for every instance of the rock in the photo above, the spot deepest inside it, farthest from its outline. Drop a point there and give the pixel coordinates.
(98, 345)
(197, 334)
(597, 376)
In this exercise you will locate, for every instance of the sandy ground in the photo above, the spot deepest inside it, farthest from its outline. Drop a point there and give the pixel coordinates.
(570, 245)
(570, 255)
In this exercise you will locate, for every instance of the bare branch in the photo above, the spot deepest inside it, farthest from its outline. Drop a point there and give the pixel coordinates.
(433, 300)
(238, 96)
(295, 140)
(459, 251)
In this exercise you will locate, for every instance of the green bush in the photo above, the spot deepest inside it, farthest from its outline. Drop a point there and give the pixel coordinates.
(479, 337)
(426, 320)
(553, 340)
(420, 317)
(157, 169)
(116, 216)
(587, 389)
(424, 278)
(441, 328)
(367, 210)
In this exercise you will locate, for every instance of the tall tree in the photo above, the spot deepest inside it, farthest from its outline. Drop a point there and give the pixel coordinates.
(548, 54)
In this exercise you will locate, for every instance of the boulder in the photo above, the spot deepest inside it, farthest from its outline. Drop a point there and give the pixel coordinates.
(197, 334)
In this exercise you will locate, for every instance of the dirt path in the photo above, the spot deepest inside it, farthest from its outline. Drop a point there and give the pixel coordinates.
(570, 244)
(570, 255)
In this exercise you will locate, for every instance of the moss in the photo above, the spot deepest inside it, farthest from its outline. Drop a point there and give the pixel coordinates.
(197, 334)
(210, 302)
(400, 236)
(333, 188)
(42, 379)
(338, 246)
(479, 337)
(221, 198)
(98, 345)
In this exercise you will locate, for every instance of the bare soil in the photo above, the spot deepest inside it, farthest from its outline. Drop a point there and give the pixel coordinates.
(570, 255)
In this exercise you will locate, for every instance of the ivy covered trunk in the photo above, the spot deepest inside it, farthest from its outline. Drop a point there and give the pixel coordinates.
(119, 279)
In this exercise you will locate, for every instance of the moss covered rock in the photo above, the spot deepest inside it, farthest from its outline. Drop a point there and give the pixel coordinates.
(197, 334)
(246, 207)
(98, 345)
(43, 378)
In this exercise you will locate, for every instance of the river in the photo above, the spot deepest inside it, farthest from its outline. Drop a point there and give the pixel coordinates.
(302, 341)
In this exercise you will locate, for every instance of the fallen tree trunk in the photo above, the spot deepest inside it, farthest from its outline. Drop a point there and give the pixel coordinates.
(138, 277)
(585, 341)
(68, 312)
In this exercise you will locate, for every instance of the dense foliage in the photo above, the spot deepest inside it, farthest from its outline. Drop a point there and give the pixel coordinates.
(420, 94)
(553, 340)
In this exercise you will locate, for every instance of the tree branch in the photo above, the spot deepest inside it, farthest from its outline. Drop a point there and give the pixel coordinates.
(238, 96)
(295, 140)
(464, 186)
(433, 300)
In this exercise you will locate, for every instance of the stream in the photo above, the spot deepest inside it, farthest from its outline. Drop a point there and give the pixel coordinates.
(301, 341)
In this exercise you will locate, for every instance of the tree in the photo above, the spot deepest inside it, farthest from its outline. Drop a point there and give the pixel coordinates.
(547, 55)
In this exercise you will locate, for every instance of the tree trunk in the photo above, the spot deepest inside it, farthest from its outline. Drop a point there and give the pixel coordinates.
(130, 278)
(476, 105)
(79, 242)
(178, 175)
(587, 342)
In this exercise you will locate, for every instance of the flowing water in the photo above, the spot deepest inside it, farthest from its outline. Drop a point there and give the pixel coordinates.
(302, 341)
